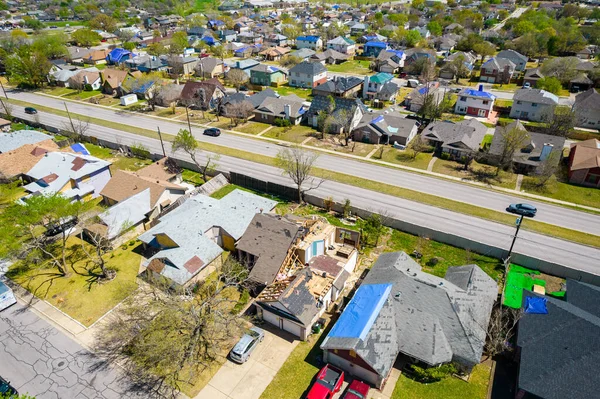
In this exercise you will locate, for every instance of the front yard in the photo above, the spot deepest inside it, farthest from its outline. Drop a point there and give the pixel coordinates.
(295, 134)
(359, 67)
(287, 90)
(333, 144)
(557, 189)
(82, 95)
(81, 294)
(477, 172)
(404, 157)
(119, 161)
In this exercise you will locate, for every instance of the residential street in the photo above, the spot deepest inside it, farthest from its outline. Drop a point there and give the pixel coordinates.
(572, 255)
(43, 362)
(498, 201)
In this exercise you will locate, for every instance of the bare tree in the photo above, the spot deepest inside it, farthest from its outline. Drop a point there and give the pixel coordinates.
(561, 122)
(297, 164)
(165, 336)
(503, 322)
(77, 127)
(239, 112)
(101, 245)
(237, 78)
(8, 109)
(512, 139)
(548, 168)
(168, 96)
(418, 145)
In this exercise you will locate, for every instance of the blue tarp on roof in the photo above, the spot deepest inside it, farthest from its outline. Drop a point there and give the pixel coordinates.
(80, 149)
(399, 53)
(312, 39)
(377, 120)
(376, 44)
(477, 93)
(423, 90)
(535, 305)
(118, 55)
(361, 312)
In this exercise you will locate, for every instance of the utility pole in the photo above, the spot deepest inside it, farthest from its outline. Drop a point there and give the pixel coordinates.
(188, 118)
(3, 89)
(518, 223)
(161, 142)
(70, 120)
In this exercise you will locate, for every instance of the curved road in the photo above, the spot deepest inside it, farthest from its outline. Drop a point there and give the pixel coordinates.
(481, 197)
(574, 256)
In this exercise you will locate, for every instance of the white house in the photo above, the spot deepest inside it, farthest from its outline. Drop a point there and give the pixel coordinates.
(342, 45)
(310, 42)
(474, 102)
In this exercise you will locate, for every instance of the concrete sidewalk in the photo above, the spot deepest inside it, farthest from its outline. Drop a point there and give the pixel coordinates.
(249, 380)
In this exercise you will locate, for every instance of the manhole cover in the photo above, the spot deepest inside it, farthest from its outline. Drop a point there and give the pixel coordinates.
(60, 364)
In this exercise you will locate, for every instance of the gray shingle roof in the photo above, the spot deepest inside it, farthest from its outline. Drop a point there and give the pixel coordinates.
(425, 316)
(258, 98)
(276, 106)
(308, 68)
(339, 85)
(298, 299)
(529, 153)
(464, 134)
(14, 140)
(394, 124)
(560, 351)
(320, 103)
(536, 96)
(587, 100)
(268, 237)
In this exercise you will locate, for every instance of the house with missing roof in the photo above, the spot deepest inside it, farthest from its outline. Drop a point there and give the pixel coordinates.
(186, 244)
(461, 139)
(474, 102)
(558, 344)
(386, 128)
(584, 163)
(304, 275)
(533, 105)
(399, 310)
(75, 176)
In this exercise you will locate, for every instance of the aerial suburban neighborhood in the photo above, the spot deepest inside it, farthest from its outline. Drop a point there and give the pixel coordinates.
(286, 199)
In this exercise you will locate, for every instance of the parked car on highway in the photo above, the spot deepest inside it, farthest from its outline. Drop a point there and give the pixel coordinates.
(213, 131)
(522, 209)
(327, 383)
(246, 345)
(30, 110)
(357, 390)
(6, 390)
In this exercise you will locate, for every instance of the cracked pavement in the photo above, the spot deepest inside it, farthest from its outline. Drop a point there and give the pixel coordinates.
(42, 361)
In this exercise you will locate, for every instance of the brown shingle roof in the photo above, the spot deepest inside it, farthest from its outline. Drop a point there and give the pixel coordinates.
(124, 184)
(586, 155)
(16, 162)
(113, 77)
(158, 171)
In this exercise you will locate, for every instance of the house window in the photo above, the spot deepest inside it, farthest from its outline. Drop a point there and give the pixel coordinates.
(485, 102)
(533, 104)
(463, 99)
(519, 102)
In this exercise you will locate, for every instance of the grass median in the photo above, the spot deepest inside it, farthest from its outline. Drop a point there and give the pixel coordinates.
(417, 196)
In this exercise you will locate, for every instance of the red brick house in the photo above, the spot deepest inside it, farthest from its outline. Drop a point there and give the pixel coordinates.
(584, 163)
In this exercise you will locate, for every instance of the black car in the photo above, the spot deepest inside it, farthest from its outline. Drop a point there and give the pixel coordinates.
(522, 209)
(213, 131)
(60, 226)
(30, 110)
(6, 390)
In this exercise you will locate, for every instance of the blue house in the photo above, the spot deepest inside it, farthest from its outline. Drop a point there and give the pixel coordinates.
(118, 56)
(215, 24)
(245, 65)
(372, 49)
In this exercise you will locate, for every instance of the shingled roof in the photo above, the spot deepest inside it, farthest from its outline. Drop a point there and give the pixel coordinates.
(560, 350)
(426, 317)
(464, 134)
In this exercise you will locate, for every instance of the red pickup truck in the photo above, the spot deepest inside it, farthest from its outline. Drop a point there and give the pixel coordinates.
(328, 382)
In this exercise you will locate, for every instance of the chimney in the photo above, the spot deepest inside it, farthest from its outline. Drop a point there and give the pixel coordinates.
(86, 80)
(546, 150)
(287, 111)
(480, 87)
(366, 87)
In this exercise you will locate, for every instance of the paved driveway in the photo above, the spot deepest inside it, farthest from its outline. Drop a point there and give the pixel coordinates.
(249, 380)
(41, 361)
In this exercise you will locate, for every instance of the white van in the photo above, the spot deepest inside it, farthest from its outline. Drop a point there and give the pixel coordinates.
(7, 298)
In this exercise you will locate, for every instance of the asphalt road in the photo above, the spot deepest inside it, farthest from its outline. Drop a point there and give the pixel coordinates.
(494, 200)
(572, 255)
(43, 362)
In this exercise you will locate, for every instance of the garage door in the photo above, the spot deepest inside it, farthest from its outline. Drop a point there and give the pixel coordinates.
(292, 328)
(282, 323)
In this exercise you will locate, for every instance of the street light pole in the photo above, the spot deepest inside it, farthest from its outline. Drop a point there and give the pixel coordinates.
(518, 222)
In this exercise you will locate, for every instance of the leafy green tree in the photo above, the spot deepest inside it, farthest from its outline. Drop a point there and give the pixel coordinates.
(549, 83)
(27, 68)
(157, 49)
(51, 45)
(562, 68)
(129, 46)
(103, 22)
(86, 37)
(484, 49)
(186, 142)
(33, 23)
(178, 43)
(435, 28)
(561, 122)
(412, 37)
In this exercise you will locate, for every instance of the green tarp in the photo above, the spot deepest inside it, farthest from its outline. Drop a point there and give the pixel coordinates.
(518, 279)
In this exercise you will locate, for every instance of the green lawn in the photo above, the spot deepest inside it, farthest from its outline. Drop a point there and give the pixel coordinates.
(477, 172)
(80, 294)
(83, 95)
(503, 103)
(10, 192)
(58, 91)
(287, 90)
(449, 388)
(445, 255)
(506, 87)
(559, 190)
(108, 101)
(295, 134)
(359, 67)
(405, 157)
(252, 127)
(119, 161)
(64, 24)
(189, 176)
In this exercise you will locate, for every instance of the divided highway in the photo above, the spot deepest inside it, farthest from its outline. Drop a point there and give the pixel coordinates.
(575, 256)
(481, 197)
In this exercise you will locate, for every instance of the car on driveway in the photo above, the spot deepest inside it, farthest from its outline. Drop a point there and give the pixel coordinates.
(6, 390)
(522, 209)
(357, 390)
(213, 131)
(246, 345)
(327, 383)
(30, 110)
